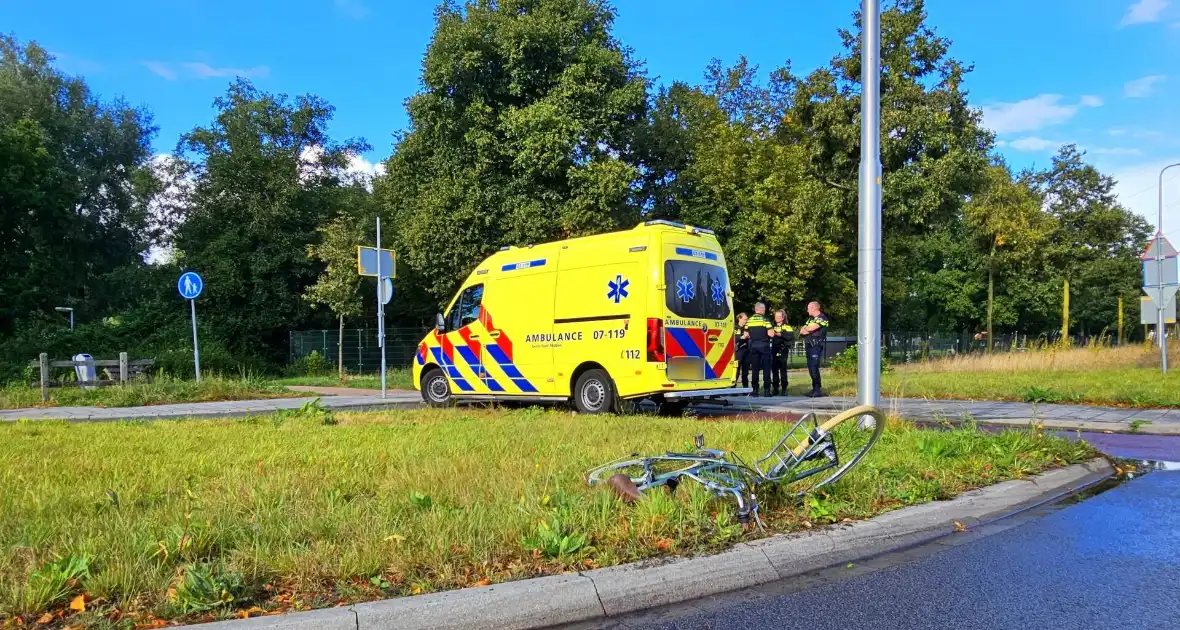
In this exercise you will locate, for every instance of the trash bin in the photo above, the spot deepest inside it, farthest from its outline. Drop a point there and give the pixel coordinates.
(86, 371)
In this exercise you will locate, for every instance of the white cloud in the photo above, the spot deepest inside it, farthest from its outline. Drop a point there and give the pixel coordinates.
(202, 70)
(358, 166)
(1144, 12)
(162, 69)
(72, 64)
(354, 9)
(1137, 187)
(1114, 151)
(1142, 87)
(1034, 144)
(1033, 114)
(358, 169)
(205, 71)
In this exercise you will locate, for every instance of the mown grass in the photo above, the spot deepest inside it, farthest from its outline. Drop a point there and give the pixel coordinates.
(206, 519)
(395, 378)
(1128, 376)
(160, 390)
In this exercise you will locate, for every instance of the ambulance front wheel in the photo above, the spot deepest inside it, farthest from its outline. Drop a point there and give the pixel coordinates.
(594, 392)
(436, 391)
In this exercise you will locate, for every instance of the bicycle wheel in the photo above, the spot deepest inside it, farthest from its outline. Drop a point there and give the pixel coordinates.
(646, 472)
(833, 447)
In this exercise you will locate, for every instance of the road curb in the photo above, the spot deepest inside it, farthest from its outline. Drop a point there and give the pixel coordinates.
(603, 593)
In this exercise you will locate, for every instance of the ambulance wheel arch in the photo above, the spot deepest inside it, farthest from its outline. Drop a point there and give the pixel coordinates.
(436, 391)
(593, 390)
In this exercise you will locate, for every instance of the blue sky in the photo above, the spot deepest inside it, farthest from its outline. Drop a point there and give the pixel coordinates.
(1099, 73)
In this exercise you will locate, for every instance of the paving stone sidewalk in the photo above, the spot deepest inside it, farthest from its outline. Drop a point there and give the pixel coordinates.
(1069, 417)
(396, 399)
(1083, 417)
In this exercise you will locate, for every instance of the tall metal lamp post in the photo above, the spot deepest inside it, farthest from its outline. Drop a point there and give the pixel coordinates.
(66, 309)
(868, 384)
(1161, 329)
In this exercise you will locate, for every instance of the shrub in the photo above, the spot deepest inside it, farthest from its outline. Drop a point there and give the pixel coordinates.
(845, 362)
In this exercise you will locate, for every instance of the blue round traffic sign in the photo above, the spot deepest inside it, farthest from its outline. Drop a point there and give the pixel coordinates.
(190, 285)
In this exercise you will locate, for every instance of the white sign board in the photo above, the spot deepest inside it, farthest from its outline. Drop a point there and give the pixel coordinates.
(1153, 268)
(1149, 316)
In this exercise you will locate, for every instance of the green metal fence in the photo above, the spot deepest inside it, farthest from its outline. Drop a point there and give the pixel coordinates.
(361, 353)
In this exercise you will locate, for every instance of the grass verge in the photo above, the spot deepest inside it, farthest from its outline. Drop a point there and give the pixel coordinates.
(395, 378)
(161, 390)
(201, 520)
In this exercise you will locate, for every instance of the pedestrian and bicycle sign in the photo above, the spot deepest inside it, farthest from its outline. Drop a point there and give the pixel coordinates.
(190, 285)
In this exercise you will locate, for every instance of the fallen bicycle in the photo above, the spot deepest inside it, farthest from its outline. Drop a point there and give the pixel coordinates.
(803, 453)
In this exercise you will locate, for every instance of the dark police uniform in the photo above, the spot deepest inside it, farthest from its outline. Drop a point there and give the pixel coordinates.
(741, 351)
(780, 346)
(813, 345)
(758, 354)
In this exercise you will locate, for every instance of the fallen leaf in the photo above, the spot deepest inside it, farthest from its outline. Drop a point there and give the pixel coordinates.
(960, 527)
(483, 582)
(849, 565)
(394, 538)
(807, 524)
(415, 590)
(78, 603)
(1108, 431)
(245, 614)
(663, 544)
(45, 619)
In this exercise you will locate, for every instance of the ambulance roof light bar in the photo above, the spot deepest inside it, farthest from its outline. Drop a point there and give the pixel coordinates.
(689, 228)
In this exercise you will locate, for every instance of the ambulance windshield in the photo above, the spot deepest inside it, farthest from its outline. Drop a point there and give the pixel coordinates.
(695, 289)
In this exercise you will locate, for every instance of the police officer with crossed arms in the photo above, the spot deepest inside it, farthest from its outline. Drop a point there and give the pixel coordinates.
(815, 336)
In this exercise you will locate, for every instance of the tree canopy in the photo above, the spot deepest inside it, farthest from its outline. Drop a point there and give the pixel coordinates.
(533, 122)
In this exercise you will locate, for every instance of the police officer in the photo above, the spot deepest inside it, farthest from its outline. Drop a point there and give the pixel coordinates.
(815, 335)
(759, 330)
(780, 346)
(741, 347)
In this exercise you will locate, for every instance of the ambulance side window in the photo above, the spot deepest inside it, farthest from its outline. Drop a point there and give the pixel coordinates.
(466, 308)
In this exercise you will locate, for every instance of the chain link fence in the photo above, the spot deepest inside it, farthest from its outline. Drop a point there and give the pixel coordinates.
(361, 353)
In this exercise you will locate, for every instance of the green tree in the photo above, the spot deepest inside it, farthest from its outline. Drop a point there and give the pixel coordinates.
(339, 285)
(266, 176)
(522, 133)
(714, 161)
(933, 148)
(1008, 226)
(74, 188)
(1095, 244)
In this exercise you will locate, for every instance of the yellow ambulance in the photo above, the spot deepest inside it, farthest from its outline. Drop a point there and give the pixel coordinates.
(638, 314)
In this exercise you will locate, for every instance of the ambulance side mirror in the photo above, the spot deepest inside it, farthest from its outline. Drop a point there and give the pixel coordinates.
(440, 324)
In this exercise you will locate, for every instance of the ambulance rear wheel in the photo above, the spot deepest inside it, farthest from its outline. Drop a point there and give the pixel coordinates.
(436, 391)
(594, 392)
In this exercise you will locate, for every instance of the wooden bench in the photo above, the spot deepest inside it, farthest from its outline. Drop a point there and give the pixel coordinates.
(120, 371)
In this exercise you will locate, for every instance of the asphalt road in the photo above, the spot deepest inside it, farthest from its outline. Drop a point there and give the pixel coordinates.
(1110, 561)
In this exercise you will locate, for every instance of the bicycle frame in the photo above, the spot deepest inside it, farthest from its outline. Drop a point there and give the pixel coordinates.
(725, 474)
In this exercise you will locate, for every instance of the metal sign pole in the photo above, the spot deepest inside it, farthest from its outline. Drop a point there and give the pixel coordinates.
(380, 308)
(196, 351)
(869, 234)
(1161, 327)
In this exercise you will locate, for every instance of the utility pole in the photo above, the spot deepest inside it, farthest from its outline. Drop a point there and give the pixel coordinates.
(869, 234)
